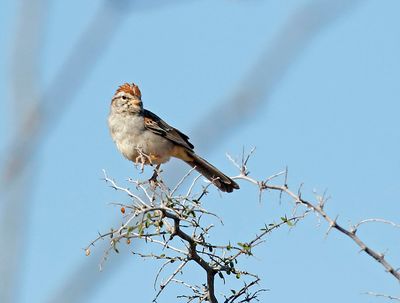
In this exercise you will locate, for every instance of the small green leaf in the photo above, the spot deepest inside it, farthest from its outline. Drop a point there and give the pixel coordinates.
(265, 228)
(285, 220)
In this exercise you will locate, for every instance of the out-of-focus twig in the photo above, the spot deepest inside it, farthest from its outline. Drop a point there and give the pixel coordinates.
(24, 71)
(43, 109)
(253, 91)
(52, 102)
(27, 46)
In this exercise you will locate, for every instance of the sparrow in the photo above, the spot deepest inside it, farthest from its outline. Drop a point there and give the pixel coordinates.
(144, 138)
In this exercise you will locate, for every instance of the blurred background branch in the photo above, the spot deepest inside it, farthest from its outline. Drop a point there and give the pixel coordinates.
(41, 110)
(44, 112)
(26, 49)
(254, 90)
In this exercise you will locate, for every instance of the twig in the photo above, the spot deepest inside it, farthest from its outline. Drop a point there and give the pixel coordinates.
(163, 285)
(377, 220)
(116, 187)
(370, 293)
(182, 180)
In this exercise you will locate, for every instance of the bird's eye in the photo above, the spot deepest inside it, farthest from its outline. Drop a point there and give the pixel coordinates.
(124, 98)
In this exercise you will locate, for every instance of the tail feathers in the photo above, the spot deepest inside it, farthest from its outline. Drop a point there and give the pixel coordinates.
(220, 180)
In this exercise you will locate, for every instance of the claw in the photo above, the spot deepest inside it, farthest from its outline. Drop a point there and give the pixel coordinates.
(139, 159)
(143, 159)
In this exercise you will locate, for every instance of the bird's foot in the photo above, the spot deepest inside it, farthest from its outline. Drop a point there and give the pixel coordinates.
(142, 159)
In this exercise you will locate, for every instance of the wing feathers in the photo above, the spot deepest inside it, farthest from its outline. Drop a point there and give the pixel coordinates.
(157, 125)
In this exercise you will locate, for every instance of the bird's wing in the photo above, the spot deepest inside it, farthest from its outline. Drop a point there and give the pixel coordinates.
(155, 124)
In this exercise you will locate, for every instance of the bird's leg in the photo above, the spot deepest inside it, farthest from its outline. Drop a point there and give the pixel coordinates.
(141, 158)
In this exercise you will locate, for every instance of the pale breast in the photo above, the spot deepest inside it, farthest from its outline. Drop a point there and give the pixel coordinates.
(131, 137)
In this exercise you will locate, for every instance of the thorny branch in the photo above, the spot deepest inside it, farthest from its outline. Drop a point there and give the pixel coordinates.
(176, 224)
(318, 208)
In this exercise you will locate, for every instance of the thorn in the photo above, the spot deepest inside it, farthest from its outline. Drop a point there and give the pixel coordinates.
(331, 225)
(334, 221)
(364, 248)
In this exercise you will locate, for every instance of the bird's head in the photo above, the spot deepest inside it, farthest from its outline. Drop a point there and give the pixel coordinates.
(127, 98)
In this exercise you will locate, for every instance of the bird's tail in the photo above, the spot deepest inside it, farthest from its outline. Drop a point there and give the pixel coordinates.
(209, 171)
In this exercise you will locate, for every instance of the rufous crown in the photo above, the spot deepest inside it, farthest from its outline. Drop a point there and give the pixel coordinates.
(132, 89)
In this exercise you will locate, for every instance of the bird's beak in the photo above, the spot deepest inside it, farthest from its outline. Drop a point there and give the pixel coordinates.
(137, 102)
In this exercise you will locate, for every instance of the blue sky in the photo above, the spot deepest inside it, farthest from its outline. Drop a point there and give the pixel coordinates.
(332, 117)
